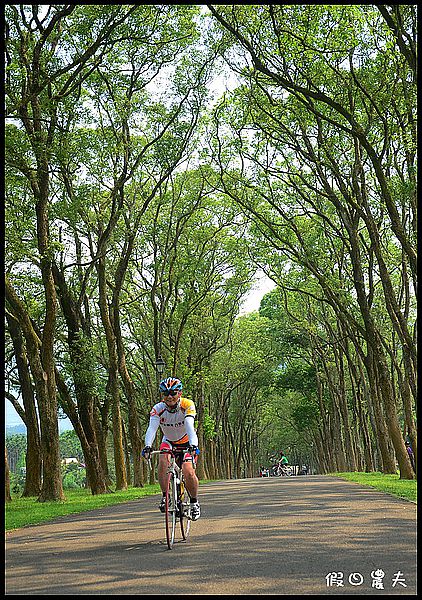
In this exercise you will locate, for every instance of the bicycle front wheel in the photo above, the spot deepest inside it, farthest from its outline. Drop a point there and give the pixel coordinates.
(171, 506)
(184, 502)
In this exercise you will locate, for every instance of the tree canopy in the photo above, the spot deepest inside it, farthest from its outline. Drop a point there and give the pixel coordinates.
(140, 203)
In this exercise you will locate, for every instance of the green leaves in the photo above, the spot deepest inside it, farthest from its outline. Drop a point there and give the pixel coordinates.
(305, 168)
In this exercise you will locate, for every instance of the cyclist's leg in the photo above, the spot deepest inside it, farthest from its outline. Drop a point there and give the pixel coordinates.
(191, 480)
(192, 485)
(163, 465)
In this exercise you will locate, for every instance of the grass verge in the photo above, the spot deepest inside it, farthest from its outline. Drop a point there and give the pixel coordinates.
(27, 511)
(391, 484)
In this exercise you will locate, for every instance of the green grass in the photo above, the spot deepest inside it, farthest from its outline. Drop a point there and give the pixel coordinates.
(391, 484)
(27, 511)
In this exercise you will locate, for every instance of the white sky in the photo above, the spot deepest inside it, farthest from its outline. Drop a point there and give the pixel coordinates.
(262, 286)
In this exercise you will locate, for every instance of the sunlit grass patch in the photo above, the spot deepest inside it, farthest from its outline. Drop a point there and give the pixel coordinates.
(391, 484)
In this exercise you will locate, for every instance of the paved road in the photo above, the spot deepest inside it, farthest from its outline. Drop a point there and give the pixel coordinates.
(258, 536)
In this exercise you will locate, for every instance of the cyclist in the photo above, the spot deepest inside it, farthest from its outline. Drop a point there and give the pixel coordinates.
(175, 415)
(283, 461)
(280, 464)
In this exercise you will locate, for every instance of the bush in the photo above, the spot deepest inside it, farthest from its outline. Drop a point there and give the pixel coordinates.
(17, 482)
(74, 477)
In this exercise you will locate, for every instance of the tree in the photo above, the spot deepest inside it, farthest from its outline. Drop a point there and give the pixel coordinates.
(52, 76)
(29, 412)
(38, 79)
(301, 112)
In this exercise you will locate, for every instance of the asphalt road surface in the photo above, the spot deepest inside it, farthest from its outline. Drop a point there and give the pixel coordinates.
(270, 536)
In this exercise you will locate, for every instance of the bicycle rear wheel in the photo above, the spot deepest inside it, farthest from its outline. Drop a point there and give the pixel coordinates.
(184, 504)
(171, 506)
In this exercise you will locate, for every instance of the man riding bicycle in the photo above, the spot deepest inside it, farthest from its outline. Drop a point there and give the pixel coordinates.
(175, 415)
(281, 463)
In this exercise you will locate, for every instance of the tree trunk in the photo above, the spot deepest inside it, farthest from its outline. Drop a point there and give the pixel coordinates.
(133, 420)
(96, 478)
(199, 403)
(374, 342)
(80, 351)
(42, 368)
(410, 423)
(119, 455)
(33, 445)
(7, 495)
(405, 466)
(359, 391)
(113, 379)
(128, 385)
(347, 432)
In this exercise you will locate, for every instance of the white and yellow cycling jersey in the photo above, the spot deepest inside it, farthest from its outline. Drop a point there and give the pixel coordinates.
(177, 427)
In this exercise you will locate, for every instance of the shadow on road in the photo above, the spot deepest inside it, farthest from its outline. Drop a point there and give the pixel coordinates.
(261, 536)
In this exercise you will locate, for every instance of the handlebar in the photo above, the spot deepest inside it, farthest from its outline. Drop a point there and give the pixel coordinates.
(172, 452)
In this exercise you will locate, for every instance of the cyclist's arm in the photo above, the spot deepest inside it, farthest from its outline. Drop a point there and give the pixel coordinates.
(154, 423)
(190, 430)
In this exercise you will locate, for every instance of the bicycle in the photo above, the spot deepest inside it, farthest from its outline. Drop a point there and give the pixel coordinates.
(177, 504)
(281, 470)
(285, 471)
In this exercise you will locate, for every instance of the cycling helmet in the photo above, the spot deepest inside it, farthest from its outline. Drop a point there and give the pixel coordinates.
(171, 383)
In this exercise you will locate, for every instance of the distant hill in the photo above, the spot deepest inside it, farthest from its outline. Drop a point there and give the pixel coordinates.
(14, 429)
(64, 425)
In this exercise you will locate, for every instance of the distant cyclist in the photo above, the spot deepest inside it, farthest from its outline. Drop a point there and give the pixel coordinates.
(283, 461)
(280, 463)
(175, 415)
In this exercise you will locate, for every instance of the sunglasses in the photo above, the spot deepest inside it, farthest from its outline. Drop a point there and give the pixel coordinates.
(170, 393)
